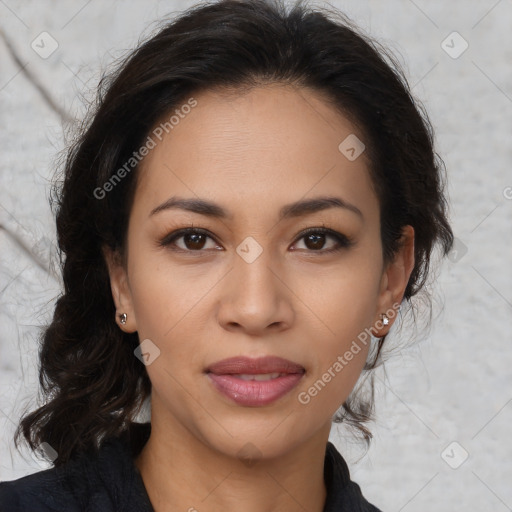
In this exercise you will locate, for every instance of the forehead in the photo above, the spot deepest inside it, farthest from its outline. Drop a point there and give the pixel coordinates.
(272, 144)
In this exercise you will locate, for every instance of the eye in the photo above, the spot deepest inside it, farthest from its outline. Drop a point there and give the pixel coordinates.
(314, 240)
(193, 239)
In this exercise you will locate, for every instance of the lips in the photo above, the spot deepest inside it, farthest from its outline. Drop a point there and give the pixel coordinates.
(255, 382)
(258, 366)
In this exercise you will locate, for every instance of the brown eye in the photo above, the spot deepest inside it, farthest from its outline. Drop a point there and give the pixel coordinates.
(194, 240)
(315, 240)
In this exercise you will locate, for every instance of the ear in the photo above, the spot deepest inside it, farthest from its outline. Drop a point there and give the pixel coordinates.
(394, 282)
(120, 287)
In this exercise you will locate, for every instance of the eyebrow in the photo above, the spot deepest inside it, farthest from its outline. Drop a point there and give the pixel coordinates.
(297, 209)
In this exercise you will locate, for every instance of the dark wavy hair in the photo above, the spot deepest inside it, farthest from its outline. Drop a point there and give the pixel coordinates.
(93, 384)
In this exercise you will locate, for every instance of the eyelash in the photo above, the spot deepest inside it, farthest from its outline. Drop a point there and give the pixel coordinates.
(343, 242)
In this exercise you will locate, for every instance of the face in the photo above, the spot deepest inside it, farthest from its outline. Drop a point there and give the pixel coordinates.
(251, 282)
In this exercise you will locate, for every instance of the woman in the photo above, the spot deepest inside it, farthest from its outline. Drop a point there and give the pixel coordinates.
(251, 201)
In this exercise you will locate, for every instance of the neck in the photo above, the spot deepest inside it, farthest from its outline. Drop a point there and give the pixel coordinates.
(182, 473)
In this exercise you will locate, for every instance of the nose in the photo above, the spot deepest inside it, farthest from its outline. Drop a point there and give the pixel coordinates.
(256, 297)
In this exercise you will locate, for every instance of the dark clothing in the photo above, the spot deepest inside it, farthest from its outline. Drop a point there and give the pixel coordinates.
(110, 482)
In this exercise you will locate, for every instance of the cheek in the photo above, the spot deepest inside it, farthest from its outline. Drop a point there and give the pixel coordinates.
(167, 296)
(340, 353)
(344, 307)
(343, 299)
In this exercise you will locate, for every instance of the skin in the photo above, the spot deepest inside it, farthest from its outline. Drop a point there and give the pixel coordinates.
(251, 153)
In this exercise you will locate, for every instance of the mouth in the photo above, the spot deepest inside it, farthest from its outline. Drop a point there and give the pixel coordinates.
(254, 382)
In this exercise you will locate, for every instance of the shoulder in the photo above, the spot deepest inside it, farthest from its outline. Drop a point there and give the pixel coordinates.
(60, 488)
(342, 492)
(105, 481)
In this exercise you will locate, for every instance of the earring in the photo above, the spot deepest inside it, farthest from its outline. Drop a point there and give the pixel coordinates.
(385, 319)
(122, 318)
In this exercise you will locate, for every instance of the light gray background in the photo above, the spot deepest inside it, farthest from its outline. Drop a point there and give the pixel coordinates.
(454, 384)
